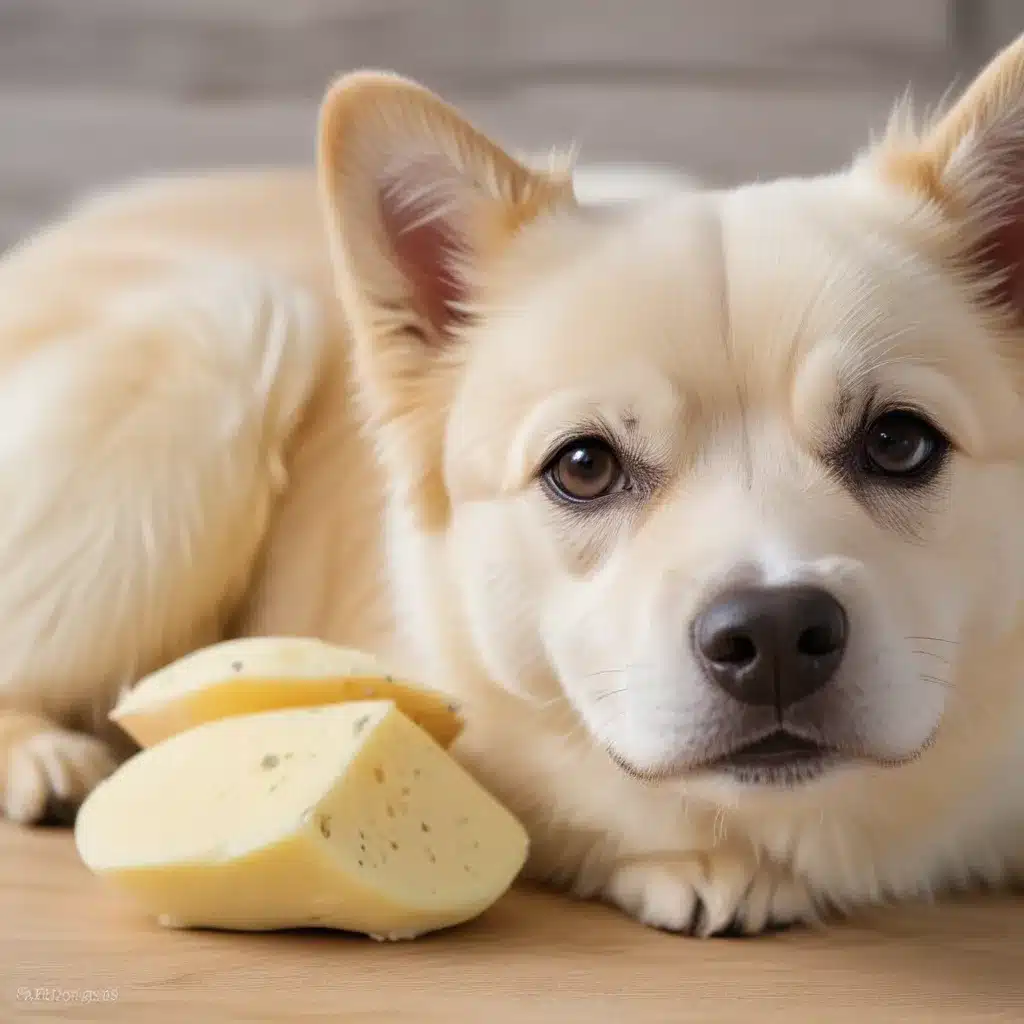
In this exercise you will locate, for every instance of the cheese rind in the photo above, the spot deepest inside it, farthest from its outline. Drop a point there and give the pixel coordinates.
(253, 674)
(344, 816)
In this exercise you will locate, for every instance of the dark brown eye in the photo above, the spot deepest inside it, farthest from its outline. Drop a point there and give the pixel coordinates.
(586, 469)
(902, 444)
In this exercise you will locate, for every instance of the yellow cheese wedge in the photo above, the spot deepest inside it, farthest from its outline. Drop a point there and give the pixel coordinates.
(344, 816)
(240, 677)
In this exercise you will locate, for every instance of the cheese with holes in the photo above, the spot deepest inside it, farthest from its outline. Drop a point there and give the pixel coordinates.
(344, 816)
(266, 673)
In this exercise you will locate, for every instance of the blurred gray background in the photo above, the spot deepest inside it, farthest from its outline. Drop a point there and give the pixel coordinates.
(95, 91)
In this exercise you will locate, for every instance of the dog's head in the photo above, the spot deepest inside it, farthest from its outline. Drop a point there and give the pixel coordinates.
(736, 474)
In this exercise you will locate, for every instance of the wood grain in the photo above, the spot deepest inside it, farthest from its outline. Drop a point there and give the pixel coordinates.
(535, 957)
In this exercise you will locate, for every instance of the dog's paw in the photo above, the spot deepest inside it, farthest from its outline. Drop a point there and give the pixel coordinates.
(711, 894)
(46, 773)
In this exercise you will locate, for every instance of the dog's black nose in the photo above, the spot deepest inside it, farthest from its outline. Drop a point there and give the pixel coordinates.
(771, 645)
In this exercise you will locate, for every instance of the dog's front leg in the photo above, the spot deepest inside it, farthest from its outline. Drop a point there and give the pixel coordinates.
(140, 460)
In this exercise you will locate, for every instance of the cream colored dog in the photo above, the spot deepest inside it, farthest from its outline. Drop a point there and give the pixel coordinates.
(707, 506)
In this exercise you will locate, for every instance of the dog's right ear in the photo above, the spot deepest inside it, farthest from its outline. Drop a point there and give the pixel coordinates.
(418, 204)
(967, 165)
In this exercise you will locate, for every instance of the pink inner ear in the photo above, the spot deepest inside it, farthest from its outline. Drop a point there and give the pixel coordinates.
(1003, 254)
(426, 249)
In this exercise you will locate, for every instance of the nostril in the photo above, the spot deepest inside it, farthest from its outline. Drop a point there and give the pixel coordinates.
(817, 641)
(731, 648)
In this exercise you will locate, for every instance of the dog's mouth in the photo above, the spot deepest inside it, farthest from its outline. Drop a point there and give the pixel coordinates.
(776, 759)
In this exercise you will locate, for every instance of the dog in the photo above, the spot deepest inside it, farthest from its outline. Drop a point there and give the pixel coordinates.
(705, 506)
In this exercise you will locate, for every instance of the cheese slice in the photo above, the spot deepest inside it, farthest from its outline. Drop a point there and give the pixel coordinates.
(345, 816)
(265, 673)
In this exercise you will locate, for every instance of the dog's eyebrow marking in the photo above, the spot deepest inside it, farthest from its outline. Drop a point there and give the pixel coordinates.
(844, 403)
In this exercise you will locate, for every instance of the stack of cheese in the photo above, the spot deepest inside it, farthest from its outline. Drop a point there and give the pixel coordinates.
(285, 782)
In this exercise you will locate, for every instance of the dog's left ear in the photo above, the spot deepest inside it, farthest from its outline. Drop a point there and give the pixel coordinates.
(418, 205)
(969, 164)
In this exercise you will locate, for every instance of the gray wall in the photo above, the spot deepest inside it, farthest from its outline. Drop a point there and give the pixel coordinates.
(93, 91)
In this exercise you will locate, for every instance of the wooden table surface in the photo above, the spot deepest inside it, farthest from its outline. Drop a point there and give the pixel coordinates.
(66, 939)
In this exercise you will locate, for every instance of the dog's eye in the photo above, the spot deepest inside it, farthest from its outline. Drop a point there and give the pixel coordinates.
(901, 444)
(585, 469)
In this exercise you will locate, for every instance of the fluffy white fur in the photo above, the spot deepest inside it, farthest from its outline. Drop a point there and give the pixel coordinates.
(221, 419)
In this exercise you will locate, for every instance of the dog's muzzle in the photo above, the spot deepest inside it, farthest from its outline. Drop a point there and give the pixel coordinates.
(770, 648)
